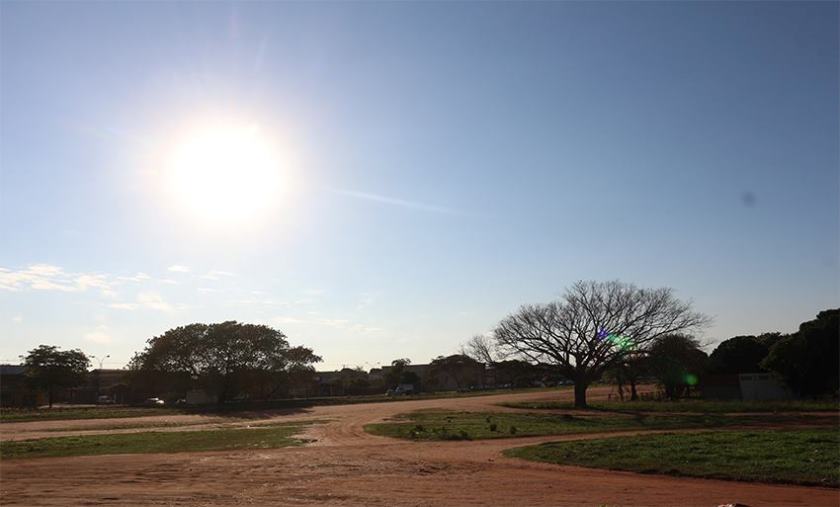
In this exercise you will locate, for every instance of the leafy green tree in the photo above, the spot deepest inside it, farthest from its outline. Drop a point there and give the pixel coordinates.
(807, 359)
(460, 368)
(49, 368)
(228, 357)
(742, 354)
(677, 361)
(518, 373)
(394, 375)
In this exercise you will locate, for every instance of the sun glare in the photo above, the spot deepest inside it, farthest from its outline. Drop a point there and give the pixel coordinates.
(224, 174)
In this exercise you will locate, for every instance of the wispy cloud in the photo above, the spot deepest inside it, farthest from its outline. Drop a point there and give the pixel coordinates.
(153, 301)
(147, 300)
(403, 203)
(216, 274)
(178, 268)
(343, 324)
(53, 278)
(139, 277)
(99, 335)
(123, 306)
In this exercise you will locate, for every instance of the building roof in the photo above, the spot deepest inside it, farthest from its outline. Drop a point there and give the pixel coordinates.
(12, 369)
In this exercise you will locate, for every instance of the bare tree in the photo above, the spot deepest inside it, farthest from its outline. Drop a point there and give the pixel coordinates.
(594, 326)
(482, 349)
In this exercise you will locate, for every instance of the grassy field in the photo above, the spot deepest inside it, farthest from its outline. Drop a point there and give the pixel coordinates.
(446, 425)
(262, 437)
(693, 406)
(9, 415)
(791, 456)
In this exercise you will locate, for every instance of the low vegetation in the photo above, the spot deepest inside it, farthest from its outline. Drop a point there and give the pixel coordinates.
(690, 406)
(261, 437)
(13, 415)
(790, 456)
(446, 425)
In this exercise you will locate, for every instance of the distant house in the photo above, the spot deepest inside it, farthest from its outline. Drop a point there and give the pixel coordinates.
(14, 391)
(100, 382)
(746, 387)
(763, 386)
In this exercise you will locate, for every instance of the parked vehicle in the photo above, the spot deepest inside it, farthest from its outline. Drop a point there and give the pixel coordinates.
(154, 402)
(104, 400)
(401, 390)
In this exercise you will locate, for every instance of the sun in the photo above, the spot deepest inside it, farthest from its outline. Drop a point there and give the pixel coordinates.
(224, 173)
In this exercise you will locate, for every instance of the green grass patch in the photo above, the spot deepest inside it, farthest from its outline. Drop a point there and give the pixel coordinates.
(808, 457)
(10, 415)
(258, 437)
(447, 425)
(693, 406)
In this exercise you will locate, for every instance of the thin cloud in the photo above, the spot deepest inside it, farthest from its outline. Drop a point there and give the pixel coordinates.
(145, 300)
(48, 277)
(153, 301)
(139, 277)
(216, 274)
(421, 206)
(343, 324)
(178, 268)
(99, 335)
(123, 306)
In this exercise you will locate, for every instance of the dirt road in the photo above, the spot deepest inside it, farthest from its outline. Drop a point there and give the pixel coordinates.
(346, 466)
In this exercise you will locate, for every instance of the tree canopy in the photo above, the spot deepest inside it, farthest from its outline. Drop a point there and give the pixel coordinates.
(459, 368)
(677, 361)
(741, 354)
(228, 357)
(807, 359)
(593, 326)
(49, 368)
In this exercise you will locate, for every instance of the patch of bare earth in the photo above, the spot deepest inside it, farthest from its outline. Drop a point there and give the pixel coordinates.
(346, 466)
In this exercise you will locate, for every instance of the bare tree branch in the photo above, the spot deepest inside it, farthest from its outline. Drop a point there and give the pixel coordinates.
(593, 326)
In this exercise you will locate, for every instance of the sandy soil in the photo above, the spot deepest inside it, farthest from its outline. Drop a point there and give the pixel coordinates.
(346, 466)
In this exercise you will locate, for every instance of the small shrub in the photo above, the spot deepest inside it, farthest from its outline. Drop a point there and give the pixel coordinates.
(493, 427)
(513, 430)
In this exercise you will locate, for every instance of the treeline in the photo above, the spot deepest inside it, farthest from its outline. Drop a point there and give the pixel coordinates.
(596, 331)
(808, 361)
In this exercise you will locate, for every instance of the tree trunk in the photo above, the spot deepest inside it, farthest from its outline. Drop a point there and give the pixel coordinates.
(580, 393)
(633, 394)
(50, 396)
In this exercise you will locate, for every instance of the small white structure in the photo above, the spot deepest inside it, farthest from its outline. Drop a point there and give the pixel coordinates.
(763, 386)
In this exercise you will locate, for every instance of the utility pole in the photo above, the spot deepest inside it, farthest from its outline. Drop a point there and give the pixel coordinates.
(99, 374)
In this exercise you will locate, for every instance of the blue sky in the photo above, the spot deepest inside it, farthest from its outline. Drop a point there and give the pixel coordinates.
(444, 164)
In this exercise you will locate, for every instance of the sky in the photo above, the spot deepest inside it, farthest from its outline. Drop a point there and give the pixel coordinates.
(437, 165)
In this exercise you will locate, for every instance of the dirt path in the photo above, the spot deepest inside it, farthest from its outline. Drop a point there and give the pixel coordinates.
(349, 467)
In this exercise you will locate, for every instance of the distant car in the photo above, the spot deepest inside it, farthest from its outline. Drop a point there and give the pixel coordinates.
(104, 400)
(181, 401)
(154, 401)
(401, 390)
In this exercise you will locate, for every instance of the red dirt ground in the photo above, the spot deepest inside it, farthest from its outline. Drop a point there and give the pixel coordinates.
(346, 466)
